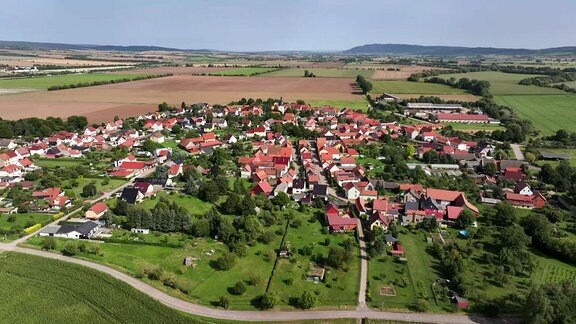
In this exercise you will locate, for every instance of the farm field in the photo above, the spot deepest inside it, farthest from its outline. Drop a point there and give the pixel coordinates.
(475, 127)
(457, 97)
(570, 84)
(504, 83)
(320, 73)
(176, 70)
(46, 82)
(571, 152)
(244, 71)
(421, 88)
(101, 103)
(552, 270)
(548, 113)
(72, 294)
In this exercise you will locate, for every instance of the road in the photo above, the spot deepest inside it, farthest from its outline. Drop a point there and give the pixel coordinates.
(268, 316)
(517, 149)
(363, 269)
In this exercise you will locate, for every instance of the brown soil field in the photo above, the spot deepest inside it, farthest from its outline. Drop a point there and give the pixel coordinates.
(102, 103)
(176, 70)
(30, 61)
(459, 97)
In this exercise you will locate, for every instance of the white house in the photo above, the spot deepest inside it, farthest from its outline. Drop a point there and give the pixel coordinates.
(351, 190)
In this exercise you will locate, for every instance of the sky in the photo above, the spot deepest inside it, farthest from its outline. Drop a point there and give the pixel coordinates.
(320, 25)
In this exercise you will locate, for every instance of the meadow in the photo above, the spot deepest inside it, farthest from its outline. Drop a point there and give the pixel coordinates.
(475, 127)
(360, 104)
(571, 152)
(63, 163)
(320, 73)
(401, 87)
(548, 113)
(45, 82)
(244, 71)
(504, 83)
(21, 221)
(41, 290)
(194, 205)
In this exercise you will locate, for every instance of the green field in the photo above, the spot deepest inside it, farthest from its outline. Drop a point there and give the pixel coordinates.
(22, 221)
(194, 205)
(548, 113)
(360, 104)
(46, 82)
(320, 73)
(504, 83)
(571, 152)
(62, 163)
(244, 71)
(112, 184)
(475, 127)
(406, 87)
(41, 290)
(552, 270)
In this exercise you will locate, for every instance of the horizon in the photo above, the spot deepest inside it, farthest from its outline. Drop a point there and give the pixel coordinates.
(318, 26)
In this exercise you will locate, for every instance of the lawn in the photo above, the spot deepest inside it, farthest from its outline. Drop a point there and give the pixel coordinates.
(194, 205)
(62, 163)
(320, 73)
(40, 290)
(504, 83)
(45, 82)
(340, 286)
(407, 87)
(548, 113)
(21, 221)
(552, 270)
(244, 71)
(112, 184)
(360, 104)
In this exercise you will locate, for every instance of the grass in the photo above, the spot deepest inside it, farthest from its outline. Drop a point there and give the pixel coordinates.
(320, 73)
(552, 270)
(548, 113)
(504, 83)
(113, 184)
(63, 163)
(21, 222)
(340, 287)
(46, 82)
(406, 87)
(194, 205)
(360, 104)
(244, 71)
(475, 127)
(39, 290)
(571, 152)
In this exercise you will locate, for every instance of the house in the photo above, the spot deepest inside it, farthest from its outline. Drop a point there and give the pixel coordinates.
(390, 239)
(298, 186)
(397, 250)
(262, 188)
(96, 211)
(320, 191)
(380, 219)
(537, 200)
(523, 188)
(146, 188)
(351, 190)
(344, 223)
(75, 231)
(175, 170)
(157, 137)
(131, 195)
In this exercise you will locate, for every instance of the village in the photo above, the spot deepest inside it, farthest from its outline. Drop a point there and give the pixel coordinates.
(359, 172)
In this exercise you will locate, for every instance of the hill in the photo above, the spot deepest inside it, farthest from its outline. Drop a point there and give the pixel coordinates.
(404, 49)
(62, 46)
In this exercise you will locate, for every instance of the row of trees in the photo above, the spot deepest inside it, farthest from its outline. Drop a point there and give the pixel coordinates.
(165, 217)
(97, 83)
(37, 127)
(545, 237)
(363, 84)
(477, 87)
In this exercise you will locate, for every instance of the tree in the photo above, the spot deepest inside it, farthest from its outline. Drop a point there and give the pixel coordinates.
(238, 289)
(282, 199)
(337, 257)
(89, 190)
(465, 219)
(225, 262)
(121, 208)
(223, 302)
(49, 243)
(530, 157)
(505, 214)
(267, 301)
(307, 300)
(551, 303)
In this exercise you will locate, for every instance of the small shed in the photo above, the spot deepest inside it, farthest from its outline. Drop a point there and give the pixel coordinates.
(460, 302)
(316, 274)
(140, 230)
(190, 261)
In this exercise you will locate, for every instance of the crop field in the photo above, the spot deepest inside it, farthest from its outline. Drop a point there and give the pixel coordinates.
(176, 70)
(40, 290)
(552, 270)
(422, 88)
(458, 97)
(320, 73)
(244, 71)
(504, 83)
(475, 127)
(46, 82)
(102, 103)
(548, 113)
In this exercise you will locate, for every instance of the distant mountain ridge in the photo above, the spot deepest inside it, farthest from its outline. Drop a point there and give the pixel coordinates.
(62, 46)
(404, 49)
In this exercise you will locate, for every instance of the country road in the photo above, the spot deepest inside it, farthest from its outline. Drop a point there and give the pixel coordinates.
(517, 149)
(267, 316)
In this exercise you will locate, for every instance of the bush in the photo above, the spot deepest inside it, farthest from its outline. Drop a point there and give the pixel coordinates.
(266, 301)
(70, 249)
(49, 243)
(307, 300)
(239, 288)
(154, 272)
(255, 280)
(225, 262)
(223, 302)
